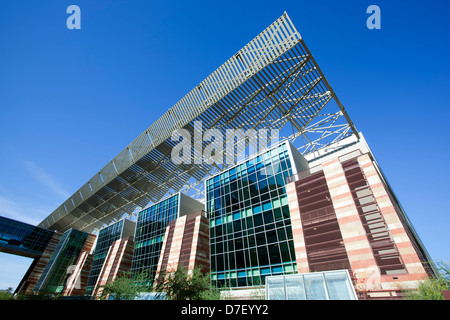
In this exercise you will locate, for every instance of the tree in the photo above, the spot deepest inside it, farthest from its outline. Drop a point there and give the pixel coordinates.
(127, 286)
(39, 295)
(178, 285)
(431, 289)
(6, 294)
(185, 284)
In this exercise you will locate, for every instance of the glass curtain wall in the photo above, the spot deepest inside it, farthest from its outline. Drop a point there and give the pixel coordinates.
(23, 237)
(250, 226)
(105, 238)
(150, 230)
(56, 272)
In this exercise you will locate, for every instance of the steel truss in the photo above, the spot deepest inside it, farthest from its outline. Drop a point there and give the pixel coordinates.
(272, 83)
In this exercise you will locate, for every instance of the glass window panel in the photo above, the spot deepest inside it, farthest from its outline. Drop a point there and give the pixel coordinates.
(237, 225)
(281, 234)
(268, 217)
(285, 210)
(289, 231)
(232, 260)
(219, 247)
(263, 185)
(251, 241)
(270, 226)
(258, 220)
(278, 214)
(230, 245)
(259, 229)
(337, 285)
(250, 222)
(265, 271)
(315, 287)
(219, 261)
(265, 197)
(274, 254)
(252, 178)
(253, 257)
(280, 180)
(240, 262)
(275, 289)
(238, 244)
(267, 206)
(272, 182)
(263, 256)
(260, 239)
(271, 236)
(295, 289)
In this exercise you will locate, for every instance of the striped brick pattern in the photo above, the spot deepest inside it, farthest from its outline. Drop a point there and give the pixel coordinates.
(89, 243)
(360, 255)
(186, 243)
(400, 237)
(297, 229)
(165, 248)
(175, 248)
(40, 265)
(199, 255)
(118, 261)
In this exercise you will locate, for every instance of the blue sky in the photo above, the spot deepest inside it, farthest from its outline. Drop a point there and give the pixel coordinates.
(71, 100)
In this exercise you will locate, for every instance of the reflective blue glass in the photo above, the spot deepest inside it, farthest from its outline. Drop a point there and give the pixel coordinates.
(246, 207)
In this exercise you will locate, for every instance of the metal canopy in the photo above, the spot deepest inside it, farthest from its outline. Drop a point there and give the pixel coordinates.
(272, 83)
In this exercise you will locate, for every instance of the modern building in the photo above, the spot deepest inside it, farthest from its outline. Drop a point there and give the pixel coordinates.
(186, 244)
(250, 225)
(280, 213)
(151, 230)
(23, 239)
(117, 263)
(314, 203)
(272, 83)
(78, 275)
(26, 240)
(54, 277)
(345, 216)
(107, 236)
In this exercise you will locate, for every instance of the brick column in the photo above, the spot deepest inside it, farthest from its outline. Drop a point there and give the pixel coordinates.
(297, 229)
(359, 251)
(401, 239)
(195, 243)
(175, 248)
(117, 261)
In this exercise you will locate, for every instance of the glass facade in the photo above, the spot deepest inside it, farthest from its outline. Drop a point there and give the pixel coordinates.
(250, 226)
(329, 285)
(22, 238)
(66, 253)
(105, 238)
(150, 230)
